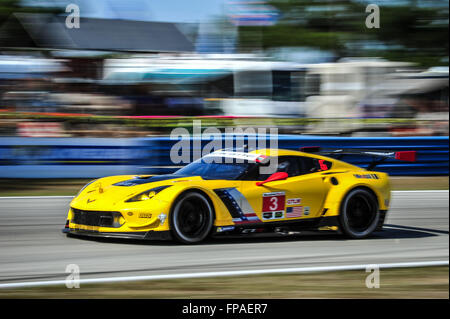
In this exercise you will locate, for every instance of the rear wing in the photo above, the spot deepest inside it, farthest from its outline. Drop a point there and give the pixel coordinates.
(378, 157)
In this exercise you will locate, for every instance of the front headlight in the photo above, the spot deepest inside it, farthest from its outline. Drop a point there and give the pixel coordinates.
(147, 194)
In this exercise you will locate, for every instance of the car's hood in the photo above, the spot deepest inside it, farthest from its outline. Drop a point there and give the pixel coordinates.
(145, 180)
(108, 192)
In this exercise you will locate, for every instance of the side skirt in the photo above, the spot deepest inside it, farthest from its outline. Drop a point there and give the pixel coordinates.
(310, 224)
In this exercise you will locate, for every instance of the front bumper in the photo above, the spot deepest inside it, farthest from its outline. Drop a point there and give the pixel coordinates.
(143, 235)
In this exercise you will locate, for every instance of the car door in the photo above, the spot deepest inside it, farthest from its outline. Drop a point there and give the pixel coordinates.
(301, 195)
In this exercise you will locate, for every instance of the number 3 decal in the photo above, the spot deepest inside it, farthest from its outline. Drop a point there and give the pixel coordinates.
(273, 202)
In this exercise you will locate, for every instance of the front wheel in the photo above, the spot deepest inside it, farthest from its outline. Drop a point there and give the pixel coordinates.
(192, 218)
(359, 213)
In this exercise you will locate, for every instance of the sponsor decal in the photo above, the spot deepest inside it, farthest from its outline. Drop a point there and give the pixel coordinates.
(366, 176)
(273, 215)
(279, 214)
(293, 201)
(273, 202)
(145, 215)
(267, 215)
(323, 166)
(306, 210)
(225, 228)
(273, 194)
(294, 212)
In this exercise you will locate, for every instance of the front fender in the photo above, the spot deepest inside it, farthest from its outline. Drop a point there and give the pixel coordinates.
(222, 215)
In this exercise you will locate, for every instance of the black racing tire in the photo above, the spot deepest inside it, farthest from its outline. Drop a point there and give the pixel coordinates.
(359, 214)
(191, 218)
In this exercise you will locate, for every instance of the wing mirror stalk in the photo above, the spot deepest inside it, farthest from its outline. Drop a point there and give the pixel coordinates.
(279, 176)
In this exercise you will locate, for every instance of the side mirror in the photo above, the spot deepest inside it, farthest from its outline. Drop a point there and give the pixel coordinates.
(279, 176)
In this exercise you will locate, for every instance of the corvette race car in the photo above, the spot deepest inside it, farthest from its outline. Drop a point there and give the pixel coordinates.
(228, 192)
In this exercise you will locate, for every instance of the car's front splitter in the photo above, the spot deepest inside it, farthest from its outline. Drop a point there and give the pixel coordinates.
(145, 235)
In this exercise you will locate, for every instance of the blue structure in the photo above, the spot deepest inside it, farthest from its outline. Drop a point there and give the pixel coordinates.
(97, 157)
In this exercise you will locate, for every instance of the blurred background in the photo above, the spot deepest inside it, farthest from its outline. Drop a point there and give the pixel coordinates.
(139, 68)
(102, 99)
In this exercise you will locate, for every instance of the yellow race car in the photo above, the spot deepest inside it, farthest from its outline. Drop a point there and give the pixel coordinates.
(228, 192)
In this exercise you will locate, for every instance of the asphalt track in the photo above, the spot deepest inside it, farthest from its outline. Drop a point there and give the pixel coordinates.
(32, 247)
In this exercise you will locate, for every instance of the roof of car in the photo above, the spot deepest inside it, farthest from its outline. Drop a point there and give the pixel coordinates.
(282, 152)
(266, 152)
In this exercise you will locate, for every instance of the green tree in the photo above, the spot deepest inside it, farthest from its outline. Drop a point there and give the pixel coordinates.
(7, 7)
(408, 32)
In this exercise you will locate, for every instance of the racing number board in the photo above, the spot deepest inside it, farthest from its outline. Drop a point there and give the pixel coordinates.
(273, 205)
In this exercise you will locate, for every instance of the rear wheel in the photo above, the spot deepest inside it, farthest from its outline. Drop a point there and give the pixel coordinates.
(192, 218)
(359, 213)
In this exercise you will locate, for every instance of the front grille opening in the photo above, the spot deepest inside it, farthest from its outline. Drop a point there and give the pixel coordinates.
(96, 218)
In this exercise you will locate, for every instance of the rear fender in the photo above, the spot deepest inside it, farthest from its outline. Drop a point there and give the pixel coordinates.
(346, 182)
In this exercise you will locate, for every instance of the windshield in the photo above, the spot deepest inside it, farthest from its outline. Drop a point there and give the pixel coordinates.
(216, 169)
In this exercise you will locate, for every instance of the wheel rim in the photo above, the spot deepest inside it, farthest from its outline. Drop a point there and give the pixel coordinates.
(192, 220)
(360, 213)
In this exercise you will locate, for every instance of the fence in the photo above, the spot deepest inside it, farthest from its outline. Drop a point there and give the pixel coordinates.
(96, 157)
(68, 157)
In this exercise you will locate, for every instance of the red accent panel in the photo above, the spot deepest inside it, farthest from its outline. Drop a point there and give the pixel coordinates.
(408, 156)
(278, 176)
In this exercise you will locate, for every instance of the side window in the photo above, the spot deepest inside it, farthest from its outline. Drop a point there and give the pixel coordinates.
(293, 166)
(253, 174)
(287, 164)
(307, 165)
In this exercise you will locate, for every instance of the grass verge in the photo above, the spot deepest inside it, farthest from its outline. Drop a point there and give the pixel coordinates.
(425, 282)
(419, 183)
